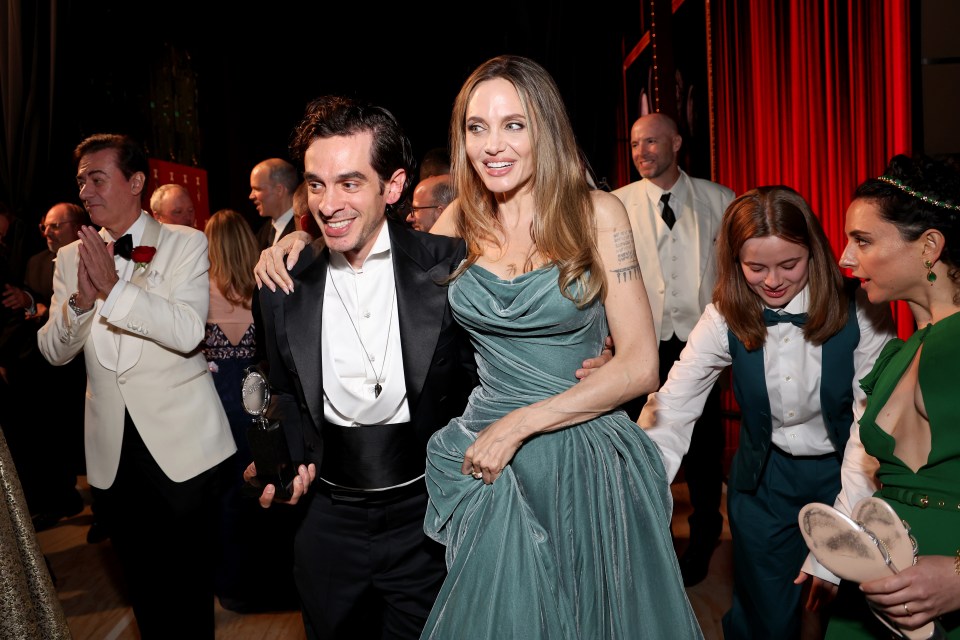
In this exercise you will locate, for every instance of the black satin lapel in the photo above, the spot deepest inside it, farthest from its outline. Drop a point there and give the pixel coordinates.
(304, 313)
(421, 304)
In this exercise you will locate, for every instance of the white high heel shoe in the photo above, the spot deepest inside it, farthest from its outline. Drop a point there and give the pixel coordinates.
(873, 544)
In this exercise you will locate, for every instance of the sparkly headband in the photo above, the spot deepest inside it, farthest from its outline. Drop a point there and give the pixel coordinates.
(917, 194)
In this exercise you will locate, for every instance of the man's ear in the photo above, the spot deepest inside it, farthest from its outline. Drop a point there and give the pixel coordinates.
(137, 181)
(677, 142)
(394, 188)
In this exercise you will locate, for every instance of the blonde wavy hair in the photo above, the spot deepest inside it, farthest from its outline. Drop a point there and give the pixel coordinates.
(564, 228)
(232, 249)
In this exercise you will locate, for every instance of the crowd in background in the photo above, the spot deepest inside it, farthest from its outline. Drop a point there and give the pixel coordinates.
(834, 407)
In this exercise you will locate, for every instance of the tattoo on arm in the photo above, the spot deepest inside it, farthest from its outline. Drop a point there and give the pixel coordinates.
(629, 268)
(626, 274)
(623, 243)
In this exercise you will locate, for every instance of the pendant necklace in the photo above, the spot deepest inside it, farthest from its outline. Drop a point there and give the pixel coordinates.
(377, 388)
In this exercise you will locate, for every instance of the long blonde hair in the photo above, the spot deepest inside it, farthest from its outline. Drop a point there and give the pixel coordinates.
(564, 228)
(233, 253)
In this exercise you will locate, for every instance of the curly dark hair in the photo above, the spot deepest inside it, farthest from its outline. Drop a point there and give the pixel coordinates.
(329, 116)
(911, 213)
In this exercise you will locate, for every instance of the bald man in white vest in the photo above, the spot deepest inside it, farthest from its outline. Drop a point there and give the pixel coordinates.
(675, 221)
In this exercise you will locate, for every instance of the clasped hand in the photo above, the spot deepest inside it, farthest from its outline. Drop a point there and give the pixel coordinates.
(97, 273)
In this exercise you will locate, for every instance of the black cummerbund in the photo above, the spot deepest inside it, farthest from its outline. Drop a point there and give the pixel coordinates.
(371, 457)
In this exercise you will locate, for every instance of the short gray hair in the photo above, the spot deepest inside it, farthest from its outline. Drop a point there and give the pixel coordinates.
(161, 192)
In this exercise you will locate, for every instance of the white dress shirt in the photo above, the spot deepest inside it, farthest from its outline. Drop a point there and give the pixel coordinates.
(109, 356)
(792, 370)
(124, 266)
(365, 301)
(280, 223)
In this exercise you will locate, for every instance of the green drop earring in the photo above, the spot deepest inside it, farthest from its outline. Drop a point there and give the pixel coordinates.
(931, 276)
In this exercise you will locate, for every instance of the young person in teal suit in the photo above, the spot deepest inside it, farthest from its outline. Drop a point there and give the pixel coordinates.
(798, 339)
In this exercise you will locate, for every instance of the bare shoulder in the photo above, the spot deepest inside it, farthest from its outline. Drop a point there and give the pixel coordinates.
(446, 224)
(608, 210)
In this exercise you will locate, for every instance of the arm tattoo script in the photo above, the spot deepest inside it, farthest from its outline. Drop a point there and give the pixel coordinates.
(626, 256)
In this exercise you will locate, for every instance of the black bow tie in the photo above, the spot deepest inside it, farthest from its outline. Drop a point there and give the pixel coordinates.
(771, 317)
(124, 246)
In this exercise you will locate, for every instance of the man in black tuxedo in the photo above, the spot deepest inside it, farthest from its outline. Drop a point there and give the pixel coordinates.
(365, 363)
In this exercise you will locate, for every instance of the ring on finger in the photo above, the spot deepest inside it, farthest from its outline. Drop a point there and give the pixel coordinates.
(906, 609)
(477, 474)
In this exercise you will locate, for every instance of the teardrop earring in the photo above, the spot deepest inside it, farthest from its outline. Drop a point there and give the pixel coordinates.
(931, 276)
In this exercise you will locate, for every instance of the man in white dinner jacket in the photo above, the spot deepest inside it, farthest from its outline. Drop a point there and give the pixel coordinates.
(675, 221)
(155, 431)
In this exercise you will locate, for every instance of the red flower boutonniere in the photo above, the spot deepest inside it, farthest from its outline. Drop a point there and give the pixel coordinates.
(142, 256)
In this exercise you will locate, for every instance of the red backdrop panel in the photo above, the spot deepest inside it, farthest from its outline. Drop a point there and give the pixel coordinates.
(813, 95)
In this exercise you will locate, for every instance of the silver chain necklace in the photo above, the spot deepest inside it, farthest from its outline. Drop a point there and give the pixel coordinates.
(377, 388)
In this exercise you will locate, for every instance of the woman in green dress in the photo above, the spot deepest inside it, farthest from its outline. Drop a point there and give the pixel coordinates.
(904, 244)
(553, 505)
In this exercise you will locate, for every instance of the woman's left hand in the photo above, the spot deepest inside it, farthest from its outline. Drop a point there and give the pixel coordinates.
(917, 594)
(494, 448)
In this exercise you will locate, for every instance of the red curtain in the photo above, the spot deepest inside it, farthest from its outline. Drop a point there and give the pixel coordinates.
(814, 95)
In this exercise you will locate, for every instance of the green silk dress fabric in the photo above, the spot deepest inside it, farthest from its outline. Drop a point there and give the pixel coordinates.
(572, 541)
(936, 528)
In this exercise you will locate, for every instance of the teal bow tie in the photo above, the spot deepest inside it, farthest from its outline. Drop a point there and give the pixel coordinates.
(771, 317)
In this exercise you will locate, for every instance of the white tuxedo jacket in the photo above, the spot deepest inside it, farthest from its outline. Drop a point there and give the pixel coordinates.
(157, 372)
(696, 228)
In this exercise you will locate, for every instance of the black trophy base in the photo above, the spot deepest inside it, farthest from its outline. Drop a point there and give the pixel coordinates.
(272, 458)
(254, 487)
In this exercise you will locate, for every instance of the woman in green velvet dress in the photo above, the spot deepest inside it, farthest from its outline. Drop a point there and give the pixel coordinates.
(904, 244)
(553, 505)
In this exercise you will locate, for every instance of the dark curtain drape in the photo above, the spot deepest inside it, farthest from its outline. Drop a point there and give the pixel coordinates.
(27, 56)
(814, 95)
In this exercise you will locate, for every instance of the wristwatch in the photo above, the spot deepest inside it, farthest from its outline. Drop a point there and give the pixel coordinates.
(72, 302)
(32, 309)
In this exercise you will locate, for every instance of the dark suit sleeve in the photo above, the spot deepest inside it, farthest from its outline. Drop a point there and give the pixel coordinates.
(259, 336)
(284, 405)
(287, 402)
(265, 234)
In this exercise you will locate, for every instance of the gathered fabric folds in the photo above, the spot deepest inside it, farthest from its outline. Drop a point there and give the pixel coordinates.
(572, 541)
(29, 606)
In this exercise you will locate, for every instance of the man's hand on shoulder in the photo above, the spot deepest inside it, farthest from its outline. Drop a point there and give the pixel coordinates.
(272, 270)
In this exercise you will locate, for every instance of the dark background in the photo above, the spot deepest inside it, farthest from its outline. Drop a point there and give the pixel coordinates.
(253, 70)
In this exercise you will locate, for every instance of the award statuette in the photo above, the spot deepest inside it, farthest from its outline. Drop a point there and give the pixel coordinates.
(267, 441)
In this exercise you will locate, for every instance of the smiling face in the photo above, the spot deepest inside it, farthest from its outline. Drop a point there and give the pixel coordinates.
(774, 268)
(888, 266)
(112, 200)
(498, 138)
(654, 143)
(345, 193)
